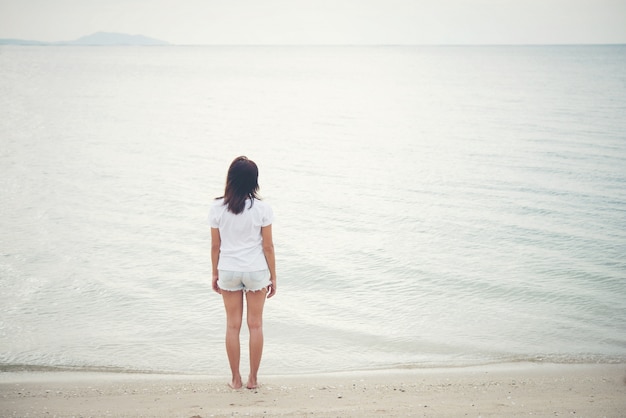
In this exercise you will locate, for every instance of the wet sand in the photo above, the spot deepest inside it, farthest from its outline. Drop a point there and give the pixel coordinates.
(488, 391)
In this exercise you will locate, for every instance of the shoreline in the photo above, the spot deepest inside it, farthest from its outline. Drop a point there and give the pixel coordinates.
(512, 389)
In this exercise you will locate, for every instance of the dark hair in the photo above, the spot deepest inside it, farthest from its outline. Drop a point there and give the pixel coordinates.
(241, 183)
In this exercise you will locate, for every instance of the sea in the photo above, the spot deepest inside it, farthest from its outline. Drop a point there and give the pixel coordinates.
(435, 206)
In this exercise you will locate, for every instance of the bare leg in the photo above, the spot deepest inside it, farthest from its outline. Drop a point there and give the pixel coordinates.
(255, 301)
(233, 302)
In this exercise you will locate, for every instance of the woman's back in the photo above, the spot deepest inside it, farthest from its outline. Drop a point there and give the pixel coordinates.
(242, 244)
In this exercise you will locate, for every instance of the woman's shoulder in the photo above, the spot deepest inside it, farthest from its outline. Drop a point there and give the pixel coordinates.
(264, 210)
(261, 203)
(217, 203)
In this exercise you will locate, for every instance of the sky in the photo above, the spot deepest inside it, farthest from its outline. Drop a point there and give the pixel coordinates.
(322, 22)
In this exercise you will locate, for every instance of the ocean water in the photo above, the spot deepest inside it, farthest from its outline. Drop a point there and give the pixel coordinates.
(435, 206)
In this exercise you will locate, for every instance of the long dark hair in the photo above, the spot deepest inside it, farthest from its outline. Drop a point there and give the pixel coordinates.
(242, 182)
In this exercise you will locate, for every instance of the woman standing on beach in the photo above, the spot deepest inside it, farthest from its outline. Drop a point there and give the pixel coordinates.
(242, 255)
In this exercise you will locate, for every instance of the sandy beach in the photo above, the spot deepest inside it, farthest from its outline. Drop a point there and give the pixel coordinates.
(498, 390)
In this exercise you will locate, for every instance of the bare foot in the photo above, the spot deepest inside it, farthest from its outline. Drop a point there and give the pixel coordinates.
(236, 383)
(252, 383)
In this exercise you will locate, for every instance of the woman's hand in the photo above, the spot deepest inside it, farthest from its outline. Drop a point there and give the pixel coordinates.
(271, 289)
(216, 288)
(268, 251)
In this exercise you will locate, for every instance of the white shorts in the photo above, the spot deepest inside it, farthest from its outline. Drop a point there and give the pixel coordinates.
(248, 281)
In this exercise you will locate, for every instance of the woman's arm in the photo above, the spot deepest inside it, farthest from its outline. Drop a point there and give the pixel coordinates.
(268, 250)
(216, 241)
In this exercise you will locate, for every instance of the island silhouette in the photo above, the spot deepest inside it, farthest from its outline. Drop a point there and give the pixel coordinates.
(96, 39)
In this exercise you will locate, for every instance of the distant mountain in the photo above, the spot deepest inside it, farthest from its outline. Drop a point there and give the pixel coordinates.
(21, 42)
(108, 38)
(96, 39)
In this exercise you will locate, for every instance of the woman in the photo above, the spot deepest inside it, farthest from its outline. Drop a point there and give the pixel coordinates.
(242, 254)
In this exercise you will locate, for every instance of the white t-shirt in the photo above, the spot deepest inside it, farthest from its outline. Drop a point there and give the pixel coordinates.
(242, 245)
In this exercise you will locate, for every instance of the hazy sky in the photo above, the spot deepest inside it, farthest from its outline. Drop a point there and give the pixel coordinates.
(322, 21)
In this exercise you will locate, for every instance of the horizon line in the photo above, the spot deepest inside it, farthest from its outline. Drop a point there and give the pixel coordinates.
(6, 42)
